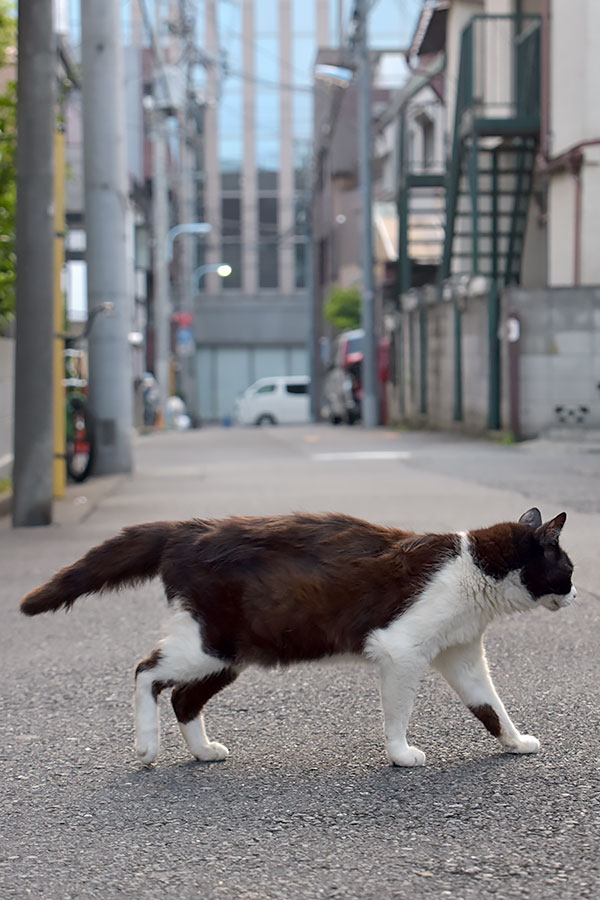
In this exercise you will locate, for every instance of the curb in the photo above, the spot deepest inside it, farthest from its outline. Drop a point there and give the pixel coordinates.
(79, 502)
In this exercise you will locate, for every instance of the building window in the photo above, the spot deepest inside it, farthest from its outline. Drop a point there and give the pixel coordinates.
(300, 215)
(267, 216)
(268, 180)
(231, 253)
(300, 265)
(268, 264)
(427, 141)
(230, 181)
(268, 253)
(231, 216)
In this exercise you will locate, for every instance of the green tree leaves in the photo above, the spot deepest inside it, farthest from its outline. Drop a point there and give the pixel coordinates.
(342, 308)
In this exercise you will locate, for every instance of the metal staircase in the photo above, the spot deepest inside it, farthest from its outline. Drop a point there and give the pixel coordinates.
(490, 174)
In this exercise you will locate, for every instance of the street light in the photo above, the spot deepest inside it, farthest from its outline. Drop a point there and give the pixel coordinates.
(185, 228)
(223, 270)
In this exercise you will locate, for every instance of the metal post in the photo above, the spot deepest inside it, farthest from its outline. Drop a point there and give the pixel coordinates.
(494, 310)
(33, 439)
(106, 205)
(187, 364)
(60, 436)
(160, 227)
(309, 279)
(458, 366)
(370, 414)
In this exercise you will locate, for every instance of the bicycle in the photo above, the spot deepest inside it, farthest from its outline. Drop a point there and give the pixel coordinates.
(79, 452)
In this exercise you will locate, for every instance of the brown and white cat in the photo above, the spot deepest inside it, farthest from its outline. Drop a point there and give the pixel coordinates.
(275, 591)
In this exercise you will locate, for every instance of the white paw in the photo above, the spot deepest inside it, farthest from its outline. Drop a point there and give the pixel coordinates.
(146, 748)
(211, 752)
(405, 756)
(526, 743)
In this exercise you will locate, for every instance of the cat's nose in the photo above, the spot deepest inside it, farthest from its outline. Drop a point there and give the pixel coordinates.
(573, 593)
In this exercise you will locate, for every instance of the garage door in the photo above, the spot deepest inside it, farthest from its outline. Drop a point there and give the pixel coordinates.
(223, 372)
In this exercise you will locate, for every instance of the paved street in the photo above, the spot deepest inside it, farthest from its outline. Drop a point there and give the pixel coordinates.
(306, 806)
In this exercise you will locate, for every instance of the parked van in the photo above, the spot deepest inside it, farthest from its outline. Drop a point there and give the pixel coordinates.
(281, 400)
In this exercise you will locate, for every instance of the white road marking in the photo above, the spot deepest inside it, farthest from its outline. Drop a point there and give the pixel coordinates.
(351, 456)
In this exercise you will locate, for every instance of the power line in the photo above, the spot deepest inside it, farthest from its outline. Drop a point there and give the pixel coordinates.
(156, 53)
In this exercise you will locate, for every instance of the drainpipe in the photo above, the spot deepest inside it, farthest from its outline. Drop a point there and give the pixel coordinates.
(545, 85)
(577, 228)
(513, 336)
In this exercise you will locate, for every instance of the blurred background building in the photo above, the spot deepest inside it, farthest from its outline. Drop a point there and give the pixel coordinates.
(486, 197)
(486, 192)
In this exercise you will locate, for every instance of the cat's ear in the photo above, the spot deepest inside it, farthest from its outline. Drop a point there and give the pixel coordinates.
(532, 517)
(549, 533)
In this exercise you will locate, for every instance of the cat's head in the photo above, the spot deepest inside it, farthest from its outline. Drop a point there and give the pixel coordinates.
(548, 570)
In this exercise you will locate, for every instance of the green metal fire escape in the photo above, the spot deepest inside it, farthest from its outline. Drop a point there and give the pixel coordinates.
(489, 178)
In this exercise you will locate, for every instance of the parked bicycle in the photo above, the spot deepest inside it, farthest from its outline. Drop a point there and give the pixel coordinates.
(80, 442)
(79, 424)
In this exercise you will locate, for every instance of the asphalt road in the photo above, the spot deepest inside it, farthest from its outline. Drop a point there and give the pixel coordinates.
(306, 806)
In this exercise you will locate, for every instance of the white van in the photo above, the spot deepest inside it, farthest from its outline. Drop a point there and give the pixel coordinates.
(281, 400)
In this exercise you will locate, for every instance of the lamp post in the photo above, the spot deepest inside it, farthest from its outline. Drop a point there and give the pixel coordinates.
(163, 306)
(185, 228)
(223, 270)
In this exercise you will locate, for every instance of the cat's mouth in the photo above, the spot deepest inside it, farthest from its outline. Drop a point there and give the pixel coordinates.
(554, 602)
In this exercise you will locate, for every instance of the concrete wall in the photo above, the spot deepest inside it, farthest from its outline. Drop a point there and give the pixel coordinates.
(7, 367)
(559, 358)
(229, 321)
(558, 363)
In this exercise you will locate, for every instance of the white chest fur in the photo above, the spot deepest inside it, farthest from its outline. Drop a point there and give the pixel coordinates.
(454, 608)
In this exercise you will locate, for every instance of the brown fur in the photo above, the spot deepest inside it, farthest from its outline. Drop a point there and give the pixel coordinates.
(265, 590)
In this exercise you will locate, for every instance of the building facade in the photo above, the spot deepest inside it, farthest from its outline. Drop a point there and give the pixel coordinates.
(256, 183)
(253, 192)
(506, 336)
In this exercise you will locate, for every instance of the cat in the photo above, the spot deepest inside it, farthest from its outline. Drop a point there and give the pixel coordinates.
(301, 587)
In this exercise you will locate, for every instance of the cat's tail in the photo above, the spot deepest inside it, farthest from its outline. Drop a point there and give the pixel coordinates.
(131, 557)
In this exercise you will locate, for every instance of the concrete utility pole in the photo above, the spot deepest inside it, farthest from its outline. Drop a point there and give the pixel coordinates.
(187, 364)
(106, 206)
(33, 441)
(370, 411)
(160, 228)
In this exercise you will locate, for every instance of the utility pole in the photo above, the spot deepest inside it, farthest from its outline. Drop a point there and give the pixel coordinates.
(160, 228)
(187, 363)
(33, 439)
(309, 280)
(106, 207)
(370, 411)
(187, 205)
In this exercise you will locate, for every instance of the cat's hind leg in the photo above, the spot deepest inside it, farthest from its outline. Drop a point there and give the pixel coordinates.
(465, 669)
(188, 702)
(179, 659)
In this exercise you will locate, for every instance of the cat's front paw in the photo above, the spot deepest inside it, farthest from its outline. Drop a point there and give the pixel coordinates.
(405, 756)
(146, 748)
(211, 752)
(526, 743)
